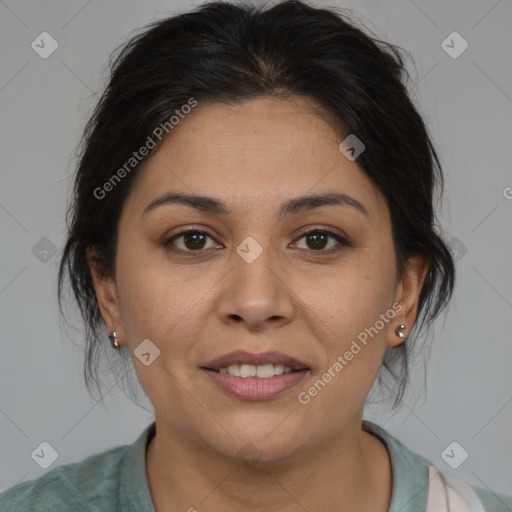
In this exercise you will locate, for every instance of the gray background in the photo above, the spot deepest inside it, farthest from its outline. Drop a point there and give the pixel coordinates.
(44, 104)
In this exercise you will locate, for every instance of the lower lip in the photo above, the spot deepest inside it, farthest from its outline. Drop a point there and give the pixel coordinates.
(255, 389)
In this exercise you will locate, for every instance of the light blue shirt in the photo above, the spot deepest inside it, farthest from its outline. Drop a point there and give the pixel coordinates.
(115, 480)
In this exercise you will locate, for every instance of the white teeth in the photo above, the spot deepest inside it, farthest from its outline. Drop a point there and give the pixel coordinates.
(278, 369)
(265, 371)
(247, 371)
(234, 369)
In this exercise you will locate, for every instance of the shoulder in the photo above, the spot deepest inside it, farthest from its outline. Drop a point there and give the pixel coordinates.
(449, 491)
(419, 485)
(493, 501)
(87, 485)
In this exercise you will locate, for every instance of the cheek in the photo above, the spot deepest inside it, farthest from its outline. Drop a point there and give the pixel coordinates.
(151, 291)
(354, 296)
(155, 305)
(356, 309)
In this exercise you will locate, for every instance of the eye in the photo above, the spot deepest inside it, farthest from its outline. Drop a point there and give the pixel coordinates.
(193, 240)
(318, 239)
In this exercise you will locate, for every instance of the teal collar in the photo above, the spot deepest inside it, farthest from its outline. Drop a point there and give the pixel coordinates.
(410, 474)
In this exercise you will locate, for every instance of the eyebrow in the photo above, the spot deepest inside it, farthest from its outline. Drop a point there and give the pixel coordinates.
(293, 206)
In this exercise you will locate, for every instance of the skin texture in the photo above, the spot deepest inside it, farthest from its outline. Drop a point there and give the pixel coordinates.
(293, 298)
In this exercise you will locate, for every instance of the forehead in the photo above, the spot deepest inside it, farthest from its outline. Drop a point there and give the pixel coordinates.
(259, 151)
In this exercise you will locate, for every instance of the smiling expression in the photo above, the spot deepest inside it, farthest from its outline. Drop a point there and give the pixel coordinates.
(291, 253)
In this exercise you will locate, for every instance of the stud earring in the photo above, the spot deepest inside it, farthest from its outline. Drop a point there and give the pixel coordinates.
(399, 329)
(113, 340)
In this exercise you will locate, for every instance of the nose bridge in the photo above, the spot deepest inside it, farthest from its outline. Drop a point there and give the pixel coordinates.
(255, 291)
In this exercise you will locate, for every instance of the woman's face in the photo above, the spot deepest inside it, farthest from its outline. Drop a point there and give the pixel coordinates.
(252, 282)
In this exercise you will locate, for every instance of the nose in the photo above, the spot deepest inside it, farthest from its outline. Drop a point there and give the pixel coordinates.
(256, 293)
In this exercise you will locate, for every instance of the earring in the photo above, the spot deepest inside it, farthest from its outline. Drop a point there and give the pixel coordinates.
(399, 329)
(113, 340)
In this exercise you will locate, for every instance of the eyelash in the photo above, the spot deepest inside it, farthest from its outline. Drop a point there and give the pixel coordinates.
(341, 241)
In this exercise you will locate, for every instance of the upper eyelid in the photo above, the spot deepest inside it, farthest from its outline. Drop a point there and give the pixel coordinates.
(327, 229)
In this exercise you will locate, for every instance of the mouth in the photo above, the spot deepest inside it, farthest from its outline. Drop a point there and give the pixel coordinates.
(251, 371)
(255, 376)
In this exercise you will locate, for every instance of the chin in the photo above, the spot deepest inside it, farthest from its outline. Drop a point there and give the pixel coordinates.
(268, 437)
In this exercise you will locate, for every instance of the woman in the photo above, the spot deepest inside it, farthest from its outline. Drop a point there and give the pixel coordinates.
(253, 223)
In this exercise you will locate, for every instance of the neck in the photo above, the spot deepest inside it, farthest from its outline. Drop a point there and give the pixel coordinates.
(350, 472)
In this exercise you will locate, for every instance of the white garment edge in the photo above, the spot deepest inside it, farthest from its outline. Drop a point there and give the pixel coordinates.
(451, 495)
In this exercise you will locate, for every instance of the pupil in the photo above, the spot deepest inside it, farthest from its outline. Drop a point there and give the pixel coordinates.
(319, 235)
(194, 243)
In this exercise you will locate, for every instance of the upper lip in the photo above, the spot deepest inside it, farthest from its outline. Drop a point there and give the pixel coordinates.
(242, 357)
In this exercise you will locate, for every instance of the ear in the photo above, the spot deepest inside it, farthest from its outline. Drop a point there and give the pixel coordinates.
(407, 294)
(106, 294)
